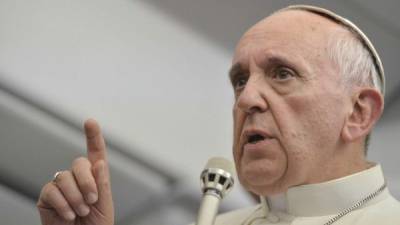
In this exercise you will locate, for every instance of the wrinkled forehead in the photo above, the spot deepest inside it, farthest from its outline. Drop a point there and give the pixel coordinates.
(312, 24)
(296, 19)
(292, 30)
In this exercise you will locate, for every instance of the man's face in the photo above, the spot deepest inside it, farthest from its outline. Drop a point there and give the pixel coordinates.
(290, 106)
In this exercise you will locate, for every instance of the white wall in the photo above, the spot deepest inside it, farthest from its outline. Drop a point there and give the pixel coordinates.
(385, 150)
(152, 83)
(158, 86)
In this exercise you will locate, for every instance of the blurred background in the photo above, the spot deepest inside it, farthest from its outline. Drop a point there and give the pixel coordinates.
(154, 74)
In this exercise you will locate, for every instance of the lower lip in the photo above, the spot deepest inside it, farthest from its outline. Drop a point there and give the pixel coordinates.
(258, 146)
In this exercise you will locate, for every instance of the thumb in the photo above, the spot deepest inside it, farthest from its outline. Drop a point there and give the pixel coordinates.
(102, 177)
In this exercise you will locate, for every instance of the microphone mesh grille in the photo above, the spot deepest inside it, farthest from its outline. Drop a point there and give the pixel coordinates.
(221, 163)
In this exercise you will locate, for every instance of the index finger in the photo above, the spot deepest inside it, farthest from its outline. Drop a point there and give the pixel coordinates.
(96, 147)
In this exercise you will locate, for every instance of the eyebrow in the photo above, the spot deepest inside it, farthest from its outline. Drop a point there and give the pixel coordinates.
(237, 68)
(234, 71)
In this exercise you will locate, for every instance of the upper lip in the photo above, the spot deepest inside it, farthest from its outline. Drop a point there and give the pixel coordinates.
(253, 131)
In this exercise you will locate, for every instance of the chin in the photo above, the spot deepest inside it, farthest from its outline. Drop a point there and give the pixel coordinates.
(261, 176)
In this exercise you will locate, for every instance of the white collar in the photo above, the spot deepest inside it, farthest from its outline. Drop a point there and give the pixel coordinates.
(329, 197)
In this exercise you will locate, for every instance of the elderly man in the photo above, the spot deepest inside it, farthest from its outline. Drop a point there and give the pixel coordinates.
(308, 90)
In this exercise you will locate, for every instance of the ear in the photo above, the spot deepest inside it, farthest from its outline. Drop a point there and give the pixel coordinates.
(366, 111)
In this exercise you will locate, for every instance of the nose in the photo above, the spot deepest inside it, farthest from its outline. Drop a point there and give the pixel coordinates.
(251, 98)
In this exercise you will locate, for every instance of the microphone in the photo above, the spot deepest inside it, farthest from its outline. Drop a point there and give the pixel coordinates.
(216, 182)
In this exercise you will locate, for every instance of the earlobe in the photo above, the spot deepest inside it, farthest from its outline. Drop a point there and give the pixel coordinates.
(366, 111)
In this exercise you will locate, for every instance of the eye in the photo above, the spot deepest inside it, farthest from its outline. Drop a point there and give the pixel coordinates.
(240, 82)
(283, 74)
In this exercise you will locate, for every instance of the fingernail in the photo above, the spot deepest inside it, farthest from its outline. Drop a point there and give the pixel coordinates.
(83, 210)
(91, 198)
(70, 216)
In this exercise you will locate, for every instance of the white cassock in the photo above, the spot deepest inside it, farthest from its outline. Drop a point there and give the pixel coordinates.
(316, 204)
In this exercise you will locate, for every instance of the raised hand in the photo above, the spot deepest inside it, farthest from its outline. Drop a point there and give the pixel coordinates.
(81, 195)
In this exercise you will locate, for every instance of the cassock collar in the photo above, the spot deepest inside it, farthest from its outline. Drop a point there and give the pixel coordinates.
(329, 197)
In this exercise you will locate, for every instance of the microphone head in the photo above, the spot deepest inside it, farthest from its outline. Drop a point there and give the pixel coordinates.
(217, 176)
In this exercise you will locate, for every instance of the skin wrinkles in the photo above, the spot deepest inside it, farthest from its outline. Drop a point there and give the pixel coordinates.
(305, 114)
(269, 62)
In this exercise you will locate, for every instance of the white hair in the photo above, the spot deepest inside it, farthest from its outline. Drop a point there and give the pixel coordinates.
(354, 61)
(350, 50)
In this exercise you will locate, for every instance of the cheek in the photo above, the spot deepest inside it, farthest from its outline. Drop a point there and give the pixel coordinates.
(315, 124)
(238, 122)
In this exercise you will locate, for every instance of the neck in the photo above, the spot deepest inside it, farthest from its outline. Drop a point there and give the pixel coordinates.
(344, 162)
(329, 197)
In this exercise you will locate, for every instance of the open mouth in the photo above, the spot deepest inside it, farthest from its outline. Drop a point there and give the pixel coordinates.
(254, 138)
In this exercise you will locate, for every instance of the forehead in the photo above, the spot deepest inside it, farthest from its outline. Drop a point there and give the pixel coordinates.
(291, 32)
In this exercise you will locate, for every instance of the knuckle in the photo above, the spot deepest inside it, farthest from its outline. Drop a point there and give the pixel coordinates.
(79, 161)
(65, 180)
(46, 187)
(52, 192)
(75, 200)
(63, 207)
(44, 194)
(86, 184)
(63, 175)
(48, 190)
(62, 180)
